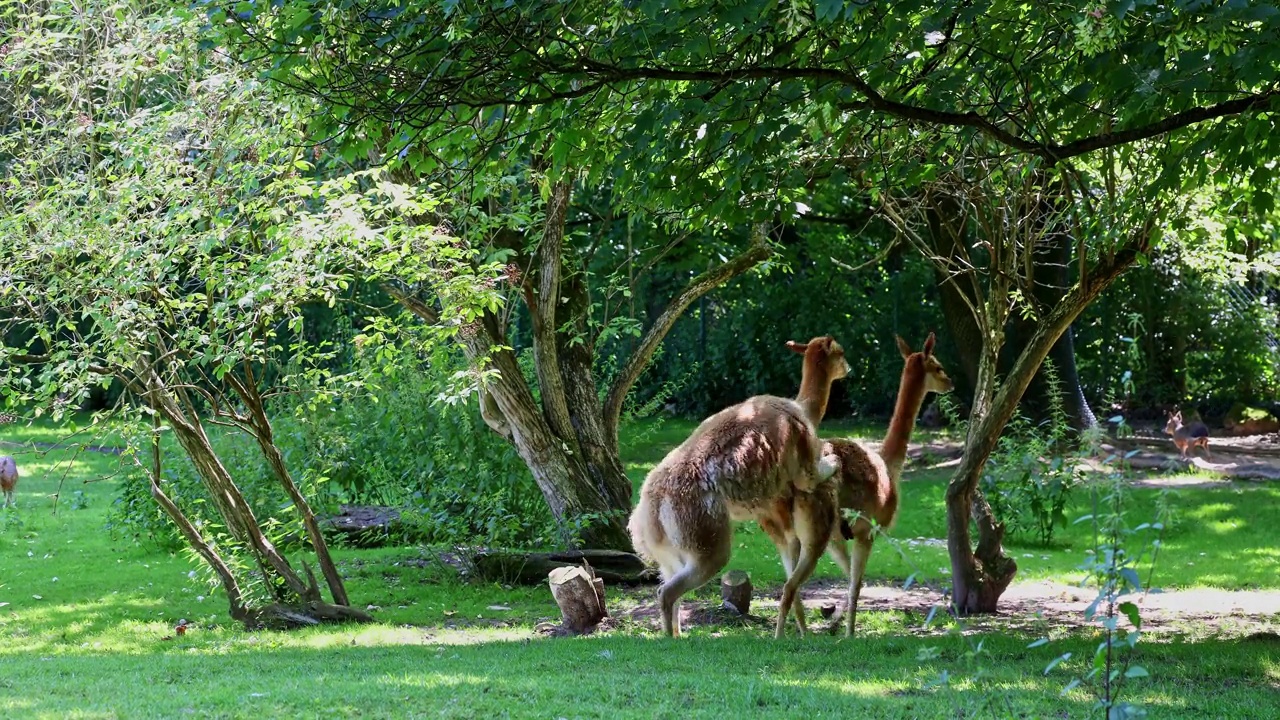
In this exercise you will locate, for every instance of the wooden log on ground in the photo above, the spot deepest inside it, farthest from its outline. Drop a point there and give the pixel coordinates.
(363, 526)
(735, 590)
(518, 568)
(578, 593)
(288, 617)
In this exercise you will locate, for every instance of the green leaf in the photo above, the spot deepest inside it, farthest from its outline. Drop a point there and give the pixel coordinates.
(1136, 671)
(828, 10)
(1131, 611)
(1130, 576)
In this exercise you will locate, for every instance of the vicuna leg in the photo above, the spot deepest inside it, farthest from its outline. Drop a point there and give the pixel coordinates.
(694, 574)
(838, 550)
(788, 546)
(809, 555)
(1204, 444)
(814, 521)
(858, 567)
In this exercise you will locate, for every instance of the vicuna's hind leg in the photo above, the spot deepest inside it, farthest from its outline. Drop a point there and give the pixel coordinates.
(813, 523)
(858, 567)
(809, 555)
(788, 546)
(1204, 444)
(695, 573)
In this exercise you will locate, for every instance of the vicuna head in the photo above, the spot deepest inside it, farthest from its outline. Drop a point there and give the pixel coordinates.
(823, 357)
(924, 364)
(1175, 422)
(824, 363)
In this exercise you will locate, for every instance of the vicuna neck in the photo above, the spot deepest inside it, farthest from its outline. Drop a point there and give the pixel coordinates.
(815, 390)
(911, 394)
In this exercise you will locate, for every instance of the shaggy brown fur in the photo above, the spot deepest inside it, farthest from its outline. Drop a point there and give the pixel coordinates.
(737, 464)
(8, 478)
(867, 482)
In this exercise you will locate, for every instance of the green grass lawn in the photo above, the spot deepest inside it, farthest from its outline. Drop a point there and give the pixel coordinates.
(84, 617)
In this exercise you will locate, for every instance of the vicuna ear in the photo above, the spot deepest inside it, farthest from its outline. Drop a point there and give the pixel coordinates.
(928, 345)
(797, 347)
(903, 347)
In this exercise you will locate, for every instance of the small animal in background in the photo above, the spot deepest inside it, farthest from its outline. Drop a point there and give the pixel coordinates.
(1188, 436)
(8, 479)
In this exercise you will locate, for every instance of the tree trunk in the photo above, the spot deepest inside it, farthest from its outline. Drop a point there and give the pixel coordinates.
(1052, 282)
(569, 441)
(298, 599)
(265, 437)
(979, 578)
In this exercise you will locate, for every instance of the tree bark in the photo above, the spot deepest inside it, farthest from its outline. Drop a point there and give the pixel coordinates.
(1052, 282)
(265, 437)
(235, 598)
(297, 599)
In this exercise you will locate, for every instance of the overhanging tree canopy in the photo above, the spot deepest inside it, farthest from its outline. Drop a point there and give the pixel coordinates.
(721, 109)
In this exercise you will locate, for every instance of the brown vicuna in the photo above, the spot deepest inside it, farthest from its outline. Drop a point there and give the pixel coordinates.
(734, 466)
(8, 478)
(1195, 435)
(868, 482)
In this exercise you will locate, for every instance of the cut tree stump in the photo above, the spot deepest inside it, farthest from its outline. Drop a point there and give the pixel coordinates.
(580, 595)
(517, 568)
(735, 590)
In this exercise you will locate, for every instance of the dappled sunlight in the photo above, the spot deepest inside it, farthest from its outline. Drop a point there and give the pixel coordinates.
(433, 679)
(105, 625)
(866, 687)
(1210, 510)
(380, 635)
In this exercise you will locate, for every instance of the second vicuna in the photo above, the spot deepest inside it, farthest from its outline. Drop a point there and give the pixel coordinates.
(1185, 437)
(867, 483)
(733, 467)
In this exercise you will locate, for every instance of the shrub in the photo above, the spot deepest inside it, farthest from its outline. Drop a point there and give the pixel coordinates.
(412, 437)
(396, 430)
(1029, 478)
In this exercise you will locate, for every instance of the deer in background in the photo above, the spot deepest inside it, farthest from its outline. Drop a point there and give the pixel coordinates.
(735, 466)
(868, 482)
(1185, 437)
(8, 479)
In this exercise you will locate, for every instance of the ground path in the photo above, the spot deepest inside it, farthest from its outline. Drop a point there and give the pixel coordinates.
(1031, 606)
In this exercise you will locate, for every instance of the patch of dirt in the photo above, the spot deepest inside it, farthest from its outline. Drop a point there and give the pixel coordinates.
(1249, 458)
(1029, 606)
